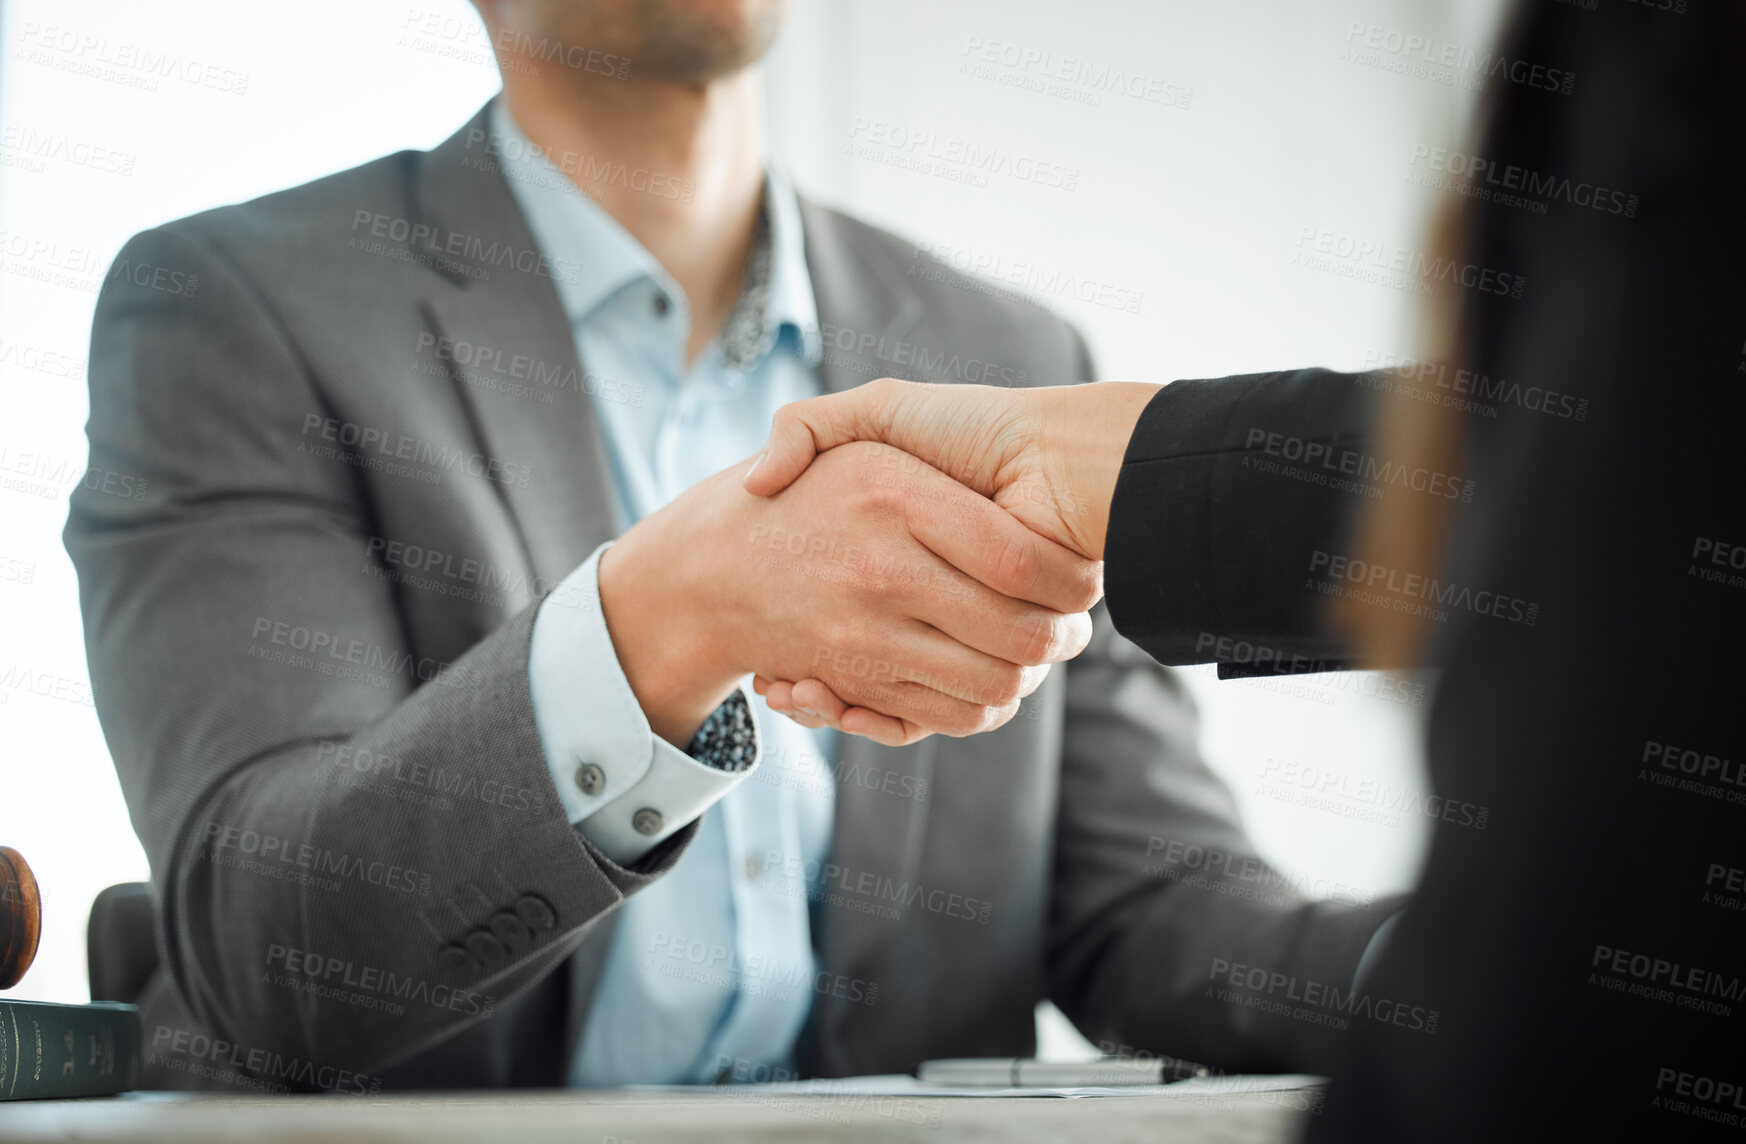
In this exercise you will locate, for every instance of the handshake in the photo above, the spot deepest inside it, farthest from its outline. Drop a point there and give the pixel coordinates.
(900, 559)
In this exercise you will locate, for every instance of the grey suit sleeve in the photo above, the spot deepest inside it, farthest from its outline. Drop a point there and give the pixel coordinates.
(1159, 894)
(356, 851)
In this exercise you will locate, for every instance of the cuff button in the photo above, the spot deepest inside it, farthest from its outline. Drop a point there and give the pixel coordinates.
(590, 779)
(646, 821)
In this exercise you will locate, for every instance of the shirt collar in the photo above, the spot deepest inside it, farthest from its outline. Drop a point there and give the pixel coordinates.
(568, 224)
(792, 305)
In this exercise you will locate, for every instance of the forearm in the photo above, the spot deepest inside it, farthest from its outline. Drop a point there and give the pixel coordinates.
(1237, 984)
(1158, 890)
(1218, 537)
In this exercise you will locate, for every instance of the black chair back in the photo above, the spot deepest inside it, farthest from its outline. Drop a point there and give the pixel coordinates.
(121, 947)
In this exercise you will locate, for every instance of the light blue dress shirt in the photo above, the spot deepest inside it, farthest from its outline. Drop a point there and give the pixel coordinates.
(711, 969)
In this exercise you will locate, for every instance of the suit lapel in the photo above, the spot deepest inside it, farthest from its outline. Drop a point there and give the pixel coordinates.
(514, 355)
(863, 301)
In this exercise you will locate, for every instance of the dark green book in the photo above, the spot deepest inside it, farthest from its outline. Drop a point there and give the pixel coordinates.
(67, 1050)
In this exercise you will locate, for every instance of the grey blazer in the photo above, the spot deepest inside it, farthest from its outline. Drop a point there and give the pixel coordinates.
(351, 447)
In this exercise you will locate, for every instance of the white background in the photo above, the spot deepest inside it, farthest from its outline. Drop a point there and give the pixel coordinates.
(1199, 211)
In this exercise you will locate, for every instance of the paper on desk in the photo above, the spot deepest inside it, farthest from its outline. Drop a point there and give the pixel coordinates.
(904, 1085)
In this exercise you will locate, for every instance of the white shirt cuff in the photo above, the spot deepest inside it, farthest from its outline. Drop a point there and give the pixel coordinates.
(622, 786)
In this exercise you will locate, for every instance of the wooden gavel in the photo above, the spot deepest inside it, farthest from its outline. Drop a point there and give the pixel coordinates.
(20, 919)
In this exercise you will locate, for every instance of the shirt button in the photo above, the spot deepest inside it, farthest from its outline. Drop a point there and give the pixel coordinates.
(661, 304)
(754, 868)
(590, 779)
(646, 821)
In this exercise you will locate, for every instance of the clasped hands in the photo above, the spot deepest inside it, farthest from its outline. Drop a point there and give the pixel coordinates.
(900, 559)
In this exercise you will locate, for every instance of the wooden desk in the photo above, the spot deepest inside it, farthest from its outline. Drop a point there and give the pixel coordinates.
(716, 1116)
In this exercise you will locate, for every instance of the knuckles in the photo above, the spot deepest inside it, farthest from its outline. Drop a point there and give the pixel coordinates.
(1073, 635)
(1034, 638)
(1087, 589)
(1033, 679)
(1040, 637)
(1075, 584)
(964, 719)
(1016, 565)
(993, 718)
(1005, 685)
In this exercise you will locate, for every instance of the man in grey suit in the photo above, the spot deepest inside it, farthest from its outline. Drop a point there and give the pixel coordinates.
(442, 786)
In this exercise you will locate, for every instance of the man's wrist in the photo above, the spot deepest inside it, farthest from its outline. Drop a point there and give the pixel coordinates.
(662, 625)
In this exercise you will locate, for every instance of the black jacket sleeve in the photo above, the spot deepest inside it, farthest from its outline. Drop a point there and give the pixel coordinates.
(1233, 502)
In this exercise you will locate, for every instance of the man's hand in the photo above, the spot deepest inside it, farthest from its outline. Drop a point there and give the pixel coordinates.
(891, 584)
(1048, 456)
